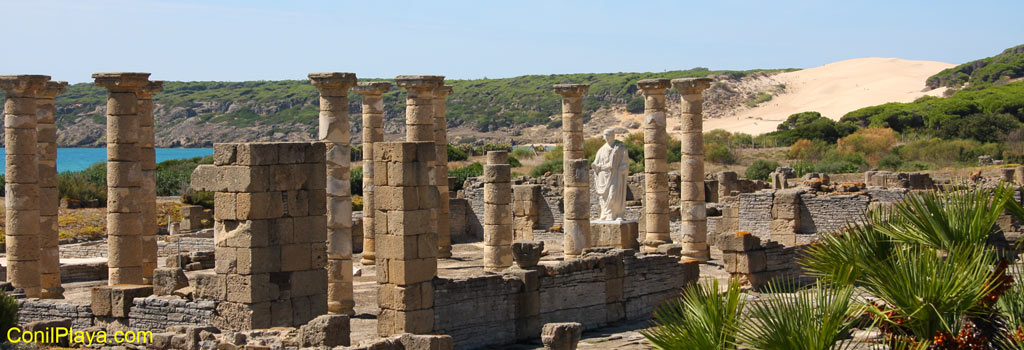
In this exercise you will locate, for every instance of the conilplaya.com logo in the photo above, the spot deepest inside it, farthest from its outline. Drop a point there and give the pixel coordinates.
(56, 335)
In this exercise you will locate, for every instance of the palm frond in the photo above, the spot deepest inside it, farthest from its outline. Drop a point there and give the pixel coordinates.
(703, 318)
(818, 318)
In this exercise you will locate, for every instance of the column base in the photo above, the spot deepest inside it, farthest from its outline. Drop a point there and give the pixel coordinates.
(615, 234)
(651, 245)
(341, 308)
(368, 258)
(696, 251)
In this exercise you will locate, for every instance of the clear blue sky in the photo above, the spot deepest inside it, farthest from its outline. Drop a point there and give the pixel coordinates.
(271, 40)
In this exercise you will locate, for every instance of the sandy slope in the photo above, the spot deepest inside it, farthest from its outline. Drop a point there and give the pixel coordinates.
(835, 89)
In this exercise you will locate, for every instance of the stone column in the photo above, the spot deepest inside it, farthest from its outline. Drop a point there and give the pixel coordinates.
(419, 121)
(576, 177)
(49, 199)
(147, 158)
(498, 229)
(440, 178)
(373, 132)
(694, 216)
(656, 209)
(21, 181)
(124, 176)
(335, 134)
(407, 248)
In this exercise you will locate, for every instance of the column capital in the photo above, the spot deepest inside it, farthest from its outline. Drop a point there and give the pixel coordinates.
(51, 89)
(443, 91)
(691, 86)
(419, 82)
(653, 86)
(372, 88)
(571, 90)
(23, 85)
(146, 93)
(122, 81)
(333, 83)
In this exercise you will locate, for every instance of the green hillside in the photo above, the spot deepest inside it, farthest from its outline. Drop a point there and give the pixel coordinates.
(978, 74)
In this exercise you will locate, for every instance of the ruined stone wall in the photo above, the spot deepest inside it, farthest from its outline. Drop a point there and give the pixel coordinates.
(598, 289)
(755, 213)
(98, 249)
(31, 310)
(829, 213)
(158, 313)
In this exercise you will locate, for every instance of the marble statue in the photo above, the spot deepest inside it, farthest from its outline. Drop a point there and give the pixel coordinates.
(611, 165)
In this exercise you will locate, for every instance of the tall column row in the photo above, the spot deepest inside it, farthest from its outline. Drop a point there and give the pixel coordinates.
(373, 132)
(124, 176)
(693, 212)
(49, 198)
(21, 181)
(656, 208)
(334, 132)
(147, 158)
(440, 176)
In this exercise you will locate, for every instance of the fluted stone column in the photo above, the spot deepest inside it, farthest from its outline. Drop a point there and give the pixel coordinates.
(373, 132)
(419, 121)
(693, 212)
(656, 209)
(576, 177)
(124, 176)
(498, 229)
(147, 157)
(21, 181)
(49, 199)
(440, 176)
(335, 133)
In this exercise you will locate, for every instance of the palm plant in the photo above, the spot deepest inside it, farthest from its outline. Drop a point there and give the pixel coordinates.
(702, 319)
(815, 319)
(1010, 307)
(840, 258)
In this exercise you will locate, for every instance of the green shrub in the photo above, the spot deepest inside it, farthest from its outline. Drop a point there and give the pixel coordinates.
(456, 154)
(553, 166)
(718, 153)
(523, 153)
(8, 313)
(761, 169)
(80, 186)
(759, 98)
(463, 173)
(514, 162)
(807, 125)
(635, 105)
(204, 199)
(356, 180)
(891, 161)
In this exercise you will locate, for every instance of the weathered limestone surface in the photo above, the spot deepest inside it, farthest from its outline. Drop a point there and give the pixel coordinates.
(759, 262)
(656, 193)
(576, 217)
(440, 175)
(498, 229)
(561, 336)
(421, 126)
(147, 158)
(526, 204)
(124, 176)
(335, 133)
(22, 181)
(406, 243)
(269, 232)
(692, 208)
(373, 132)
(49, 199)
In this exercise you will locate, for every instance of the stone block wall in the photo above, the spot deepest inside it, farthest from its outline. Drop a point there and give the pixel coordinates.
(526, 204)
(760, 262)
(270, 234)
(159, 313)
(599, 288)
(31, 310)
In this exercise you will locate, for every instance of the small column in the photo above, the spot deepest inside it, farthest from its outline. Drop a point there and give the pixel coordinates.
(444, 232)
(49, 199)
(334, 132)
(21, 181)
(373, 132)
(407, 258)
(694, 216)
(498, 229)
(576, 172)
(124, 176)
(656, 208)
(147, 157)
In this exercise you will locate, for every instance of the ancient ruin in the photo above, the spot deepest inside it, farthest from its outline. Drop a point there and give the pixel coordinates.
(576, 173)
(694, 221)
(49, 199)
(498, 228)
(373, 132)
(656, 194)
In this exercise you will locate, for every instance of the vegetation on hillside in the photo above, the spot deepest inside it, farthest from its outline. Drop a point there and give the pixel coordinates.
(982, 73)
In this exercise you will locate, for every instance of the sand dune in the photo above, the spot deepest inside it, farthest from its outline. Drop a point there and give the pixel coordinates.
(834, 90)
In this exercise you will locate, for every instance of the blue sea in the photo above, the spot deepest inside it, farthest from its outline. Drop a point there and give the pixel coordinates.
(75, 159)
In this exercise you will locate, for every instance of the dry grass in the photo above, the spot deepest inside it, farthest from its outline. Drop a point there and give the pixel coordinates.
(91, 223)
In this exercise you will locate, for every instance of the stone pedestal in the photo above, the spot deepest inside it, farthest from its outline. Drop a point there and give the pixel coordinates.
(334, 132)
(147, 161)
(440, 175)
(124, 176)
(498, 229)
(373, 132)
(406, 243)
(49, 199)
(692, 209)
(615, 234)
(656, 208)
(22, 181)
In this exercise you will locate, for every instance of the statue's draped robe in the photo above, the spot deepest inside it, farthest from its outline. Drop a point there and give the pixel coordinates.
(612, 166)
